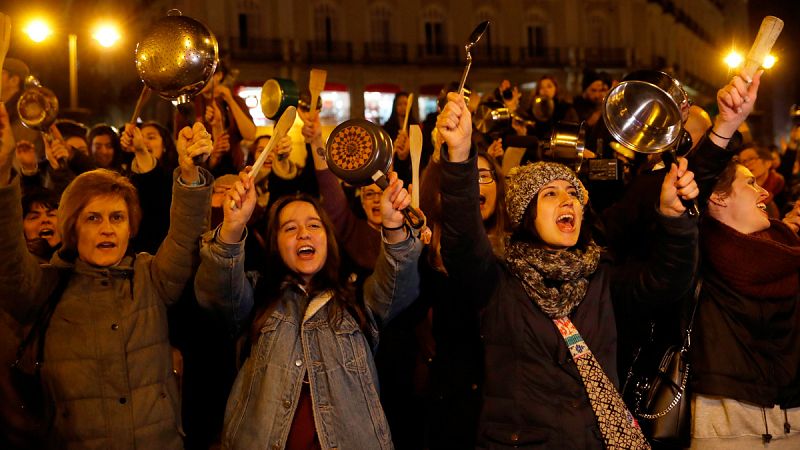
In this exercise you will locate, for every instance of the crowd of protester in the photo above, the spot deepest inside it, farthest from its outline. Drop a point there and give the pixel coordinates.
(160, 296)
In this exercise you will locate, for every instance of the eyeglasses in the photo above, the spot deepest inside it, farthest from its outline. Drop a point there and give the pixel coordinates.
(370, 195)
(486, 176)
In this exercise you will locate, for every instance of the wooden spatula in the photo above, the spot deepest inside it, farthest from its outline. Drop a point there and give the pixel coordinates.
(316, 84)
(415, 142)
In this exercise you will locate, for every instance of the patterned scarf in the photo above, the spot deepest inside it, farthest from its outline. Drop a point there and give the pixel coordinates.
(556, 281)
(566, 273)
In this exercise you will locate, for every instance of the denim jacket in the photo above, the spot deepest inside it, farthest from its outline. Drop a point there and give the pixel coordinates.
(337, 356)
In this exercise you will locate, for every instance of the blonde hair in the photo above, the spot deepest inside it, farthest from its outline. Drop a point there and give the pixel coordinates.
(82, 190)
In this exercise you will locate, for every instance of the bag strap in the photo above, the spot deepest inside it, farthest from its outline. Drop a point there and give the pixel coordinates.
(39, 328)
(687, 339)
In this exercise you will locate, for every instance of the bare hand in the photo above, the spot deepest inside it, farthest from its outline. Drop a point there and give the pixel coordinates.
(222, 144)
(132, 139)
(496, 149)
(393, 200)
(678, 184)
(220, 90)
(193, 142)
(454, 125)
(312, 128)
(238, 206)
(792, 219)
(735, 101)
(283, 148)
(56, 151)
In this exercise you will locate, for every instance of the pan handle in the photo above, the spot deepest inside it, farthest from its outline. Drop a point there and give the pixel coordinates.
(414, 217)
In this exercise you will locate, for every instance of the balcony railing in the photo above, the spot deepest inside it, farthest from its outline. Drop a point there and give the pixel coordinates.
(385, 53)
(498, 55)
(543, 56)
(329, 52)
(256, 49)
(605, 57)
(440, 54)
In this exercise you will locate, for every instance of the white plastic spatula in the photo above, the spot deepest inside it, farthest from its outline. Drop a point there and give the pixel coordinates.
(415, 142)
(281, 128)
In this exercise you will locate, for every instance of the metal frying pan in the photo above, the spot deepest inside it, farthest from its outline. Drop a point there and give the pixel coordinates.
(360, 153)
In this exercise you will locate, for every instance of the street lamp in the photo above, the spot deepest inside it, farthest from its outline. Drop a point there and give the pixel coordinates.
(106, 35)
(735, 59)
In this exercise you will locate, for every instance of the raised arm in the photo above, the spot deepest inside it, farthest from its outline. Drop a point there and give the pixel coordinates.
(466, 250)
(177, 258)
(394, 284)
(220, 282)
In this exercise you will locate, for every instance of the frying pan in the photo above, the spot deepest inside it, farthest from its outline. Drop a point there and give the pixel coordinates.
(360, 153)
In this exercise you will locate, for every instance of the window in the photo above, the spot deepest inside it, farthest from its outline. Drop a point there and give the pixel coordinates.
(243, 31)
(325, 25)
(598, 32)
(535, 33)
(380, 24)
(433, 27)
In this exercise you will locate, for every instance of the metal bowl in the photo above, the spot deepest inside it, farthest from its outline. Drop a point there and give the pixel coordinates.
(645, 112)
(177, 57)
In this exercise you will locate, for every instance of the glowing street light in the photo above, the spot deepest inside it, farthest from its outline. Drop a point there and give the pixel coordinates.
(769, 61)
(734, 59)
(106, 35)
(38, 30)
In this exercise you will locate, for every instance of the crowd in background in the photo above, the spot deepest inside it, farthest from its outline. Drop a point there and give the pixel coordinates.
(289, 309)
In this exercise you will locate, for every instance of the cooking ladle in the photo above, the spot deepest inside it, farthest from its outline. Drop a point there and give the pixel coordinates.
(476, 36)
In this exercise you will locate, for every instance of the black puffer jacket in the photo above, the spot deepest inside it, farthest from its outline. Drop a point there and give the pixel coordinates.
(533, 394)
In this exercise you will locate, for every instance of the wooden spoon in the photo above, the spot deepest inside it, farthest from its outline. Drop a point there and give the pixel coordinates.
(408, 110)
(415, 139)
(316, 84)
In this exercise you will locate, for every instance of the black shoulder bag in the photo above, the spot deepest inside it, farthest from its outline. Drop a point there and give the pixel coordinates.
(662, 399)
(25, 375)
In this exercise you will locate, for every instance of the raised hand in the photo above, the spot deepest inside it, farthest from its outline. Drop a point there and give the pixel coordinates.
(393, 200)
(56, 150)
(495, 150)
(194, 146)
(454, 125)
(312, 128)
(132, 140)
(238, 206)
(735, 101)
(678, 184)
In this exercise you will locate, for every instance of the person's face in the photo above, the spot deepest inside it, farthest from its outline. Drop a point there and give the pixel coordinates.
(41, 222)
(371, 202)
(743, 209)
(76, 143)
(302, 241)
(547, 88)
(103, 231)
(488, 189)
(596, 92)
(559, 214)
(102, 150)
(400, 108)
(260, 146)
(153, 141)
(759, 167)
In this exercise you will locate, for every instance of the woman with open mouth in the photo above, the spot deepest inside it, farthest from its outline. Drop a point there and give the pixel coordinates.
(746, 353)
(309, 380)
(547, 320)
(106, 363)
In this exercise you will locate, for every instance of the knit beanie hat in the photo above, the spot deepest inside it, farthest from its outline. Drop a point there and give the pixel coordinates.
(525, 182)
(590, 76)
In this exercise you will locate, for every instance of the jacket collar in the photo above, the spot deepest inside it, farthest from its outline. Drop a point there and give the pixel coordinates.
(122, 270)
